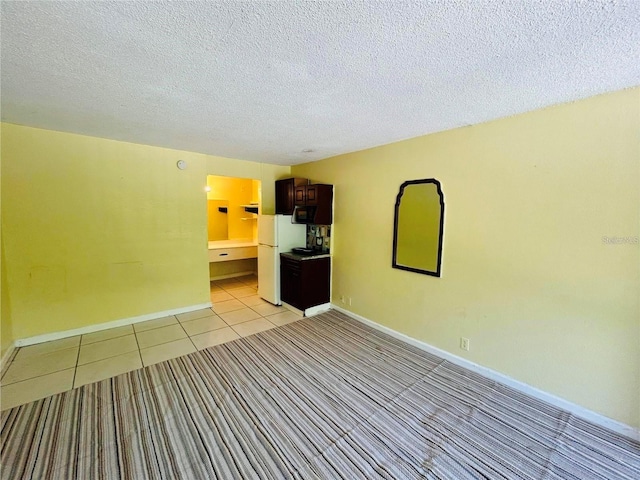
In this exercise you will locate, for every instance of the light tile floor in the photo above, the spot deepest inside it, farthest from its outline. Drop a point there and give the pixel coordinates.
(48, 368)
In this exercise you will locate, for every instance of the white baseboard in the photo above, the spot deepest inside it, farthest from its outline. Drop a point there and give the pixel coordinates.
(577, 410)
(309, 312)
(233, 275)
(47, 337)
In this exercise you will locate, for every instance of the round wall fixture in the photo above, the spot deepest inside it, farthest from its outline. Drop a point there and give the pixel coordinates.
(181, 164)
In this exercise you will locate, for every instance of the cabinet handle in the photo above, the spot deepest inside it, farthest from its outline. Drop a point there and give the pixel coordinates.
(223, 254)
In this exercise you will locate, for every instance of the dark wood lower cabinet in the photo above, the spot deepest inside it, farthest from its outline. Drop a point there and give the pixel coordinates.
(305, 283)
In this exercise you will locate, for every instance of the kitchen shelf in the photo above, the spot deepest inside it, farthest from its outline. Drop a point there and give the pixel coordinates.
(253, 208)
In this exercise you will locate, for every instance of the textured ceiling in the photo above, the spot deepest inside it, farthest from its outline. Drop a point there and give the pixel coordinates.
(266, 81)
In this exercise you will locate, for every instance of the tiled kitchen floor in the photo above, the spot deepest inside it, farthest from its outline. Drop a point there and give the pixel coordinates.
(48, 368)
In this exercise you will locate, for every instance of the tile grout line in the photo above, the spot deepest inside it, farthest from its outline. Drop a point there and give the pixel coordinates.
(261, 318)
(245, 321)
(185, 332)
(75, 368)
(177, 322)
(35, 356)
(10, 360)
(110, 357)
(249, 307)
(107, 339)
(9, 363)
(40, 376)
(239, 299)
(50, 373)
(135, 334)
(139, 349)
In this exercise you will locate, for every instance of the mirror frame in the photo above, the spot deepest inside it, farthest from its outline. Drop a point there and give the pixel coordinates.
(394, 263)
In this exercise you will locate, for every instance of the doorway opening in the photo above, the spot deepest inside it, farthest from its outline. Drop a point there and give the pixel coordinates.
(233, 205)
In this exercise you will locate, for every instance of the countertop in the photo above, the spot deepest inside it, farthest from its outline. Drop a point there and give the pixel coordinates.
(295, 256)
(232, 243)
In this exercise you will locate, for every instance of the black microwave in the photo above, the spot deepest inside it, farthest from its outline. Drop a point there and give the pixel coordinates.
(304, 214)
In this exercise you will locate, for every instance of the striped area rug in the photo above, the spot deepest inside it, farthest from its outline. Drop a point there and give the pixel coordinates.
(321, 398)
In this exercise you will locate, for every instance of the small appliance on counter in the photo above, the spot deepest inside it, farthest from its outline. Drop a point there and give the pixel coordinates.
(303, 251)
(276, 234)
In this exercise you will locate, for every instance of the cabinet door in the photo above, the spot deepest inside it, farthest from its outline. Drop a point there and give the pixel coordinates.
(285, 193)
(315, 282)
(324, 213)
(290, 284)
(295, 289)
(285, 284)
(301, 195)
(284, 196)
(312, 195)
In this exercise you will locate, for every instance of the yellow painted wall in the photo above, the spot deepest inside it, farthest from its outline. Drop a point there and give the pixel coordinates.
(526, 275)
(6, 326)
(256, 193)
(6, 331)
(217, 222)
(237, 191)
(96, 230)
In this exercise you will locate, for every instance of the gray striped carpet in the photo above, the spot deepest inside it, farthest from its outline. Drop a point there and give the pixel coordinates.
(325, 397)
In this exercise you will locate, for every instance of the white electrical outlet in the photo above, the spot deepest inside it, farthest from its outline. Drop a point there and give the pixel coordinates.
(349, 301)
(464, 343)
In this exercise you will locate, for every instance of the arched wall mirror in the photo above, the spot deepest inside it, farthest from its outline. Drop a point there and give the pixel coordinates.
(418, 227)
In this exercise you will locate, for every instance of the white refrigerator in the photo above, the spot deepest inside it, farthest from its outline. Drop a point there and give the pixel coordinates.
(276, 234)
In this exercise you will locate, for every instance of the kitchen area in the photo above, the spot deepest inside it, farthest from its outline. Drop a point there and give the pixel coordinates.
(289, 251)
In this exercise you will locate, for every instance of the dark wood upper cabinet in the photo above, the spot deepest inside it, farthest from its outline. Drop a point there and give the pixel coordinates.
(285, 191)
(320, 196)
